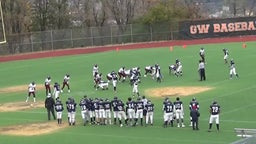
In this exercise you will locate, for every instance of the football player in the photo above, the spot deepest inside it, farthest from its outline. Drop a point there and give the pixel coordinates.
(130, 108)
(179, 113)
(47, 85)
(84, 111)
(214, 111)
(139, 111)
(66, 82)
(179, 67)
(101, 112)
(95, 70)
(59, 108)
(150, 112)
(135, 90)
(31, 91)
(202, 54)
(232, 69)
(115, 109)
(121, 113)
(225, 51)
(56, 90)
(107, 107)
(71, 107)
(193, 105)
(168, 112)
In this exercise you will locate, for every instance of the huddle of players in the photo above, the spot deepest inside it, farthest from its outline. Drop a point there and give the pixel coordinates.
(133, 74)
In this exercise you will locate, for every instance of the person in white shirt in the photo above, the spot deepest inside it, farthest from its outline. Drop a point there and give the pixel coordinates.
(31, 91)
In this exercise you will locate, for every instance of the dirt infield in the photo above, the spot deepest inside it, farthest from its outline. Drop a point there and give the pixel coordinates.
(175, 91)
(20, 106)
(19, 88)
(32, 129)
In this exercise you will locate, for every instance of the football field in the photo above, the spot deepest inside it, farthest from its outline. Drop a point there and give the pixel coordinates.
(235, 96)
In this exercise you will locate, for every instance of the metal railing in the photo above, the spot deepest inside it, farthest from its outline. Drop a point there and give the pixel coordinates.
(87, 37)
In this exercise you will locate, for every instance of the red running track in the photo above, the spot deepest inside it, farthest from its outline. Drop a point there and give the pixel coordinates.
(86, 50)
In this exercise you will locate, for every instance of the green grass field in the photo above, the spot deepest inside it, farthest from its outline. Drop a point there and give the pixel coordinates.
(235, 96)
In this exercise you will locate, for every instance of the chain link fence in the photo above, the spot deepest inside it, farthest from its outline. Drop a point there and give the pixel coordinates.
(88, 37)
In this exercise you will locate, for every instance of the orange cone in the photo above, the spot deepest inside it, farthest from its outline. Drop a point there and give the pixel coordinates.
(244, 45)
(171, 48)
(184, 46)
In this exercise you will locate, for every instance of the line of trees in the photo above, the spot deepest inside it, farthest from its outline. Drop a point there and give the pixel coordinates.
(23, 16)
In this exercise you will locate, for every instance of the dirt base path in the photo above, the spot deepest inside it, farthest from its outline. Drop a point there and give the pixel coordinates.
(32, 129)
(175, 91)
(20, 106)
(19, 88)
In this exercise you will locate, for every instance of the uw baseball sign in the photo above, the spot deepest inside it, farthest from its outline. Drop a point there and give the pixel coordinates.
(218, 28)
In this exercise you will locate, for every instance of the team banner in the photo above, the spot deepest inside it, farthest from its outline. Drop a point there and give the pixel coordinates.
(218, 28)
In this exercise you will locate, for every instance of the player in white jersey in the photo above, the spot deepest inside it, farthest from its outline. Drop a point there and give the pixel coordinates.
(202, 54)
(47, 85)
(95, 70)
(179, 68)
(135, 90)
(225, 51)
(66, 82)
(31, 91)
(232, 69)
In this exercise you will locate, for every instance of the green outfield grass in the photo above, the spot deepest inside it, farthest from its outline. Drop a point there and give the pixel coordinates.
(236, 96)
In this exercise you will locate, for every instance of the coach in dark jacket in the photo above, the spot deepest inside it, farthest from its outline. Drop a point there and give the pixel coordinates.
(195, 116)
(49, 105)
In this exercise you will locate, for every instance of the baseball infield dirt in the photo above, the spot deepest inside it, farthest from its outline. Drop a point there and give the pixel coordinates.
(32, 129)
(175, 91)
(20, 106)
(19, 88)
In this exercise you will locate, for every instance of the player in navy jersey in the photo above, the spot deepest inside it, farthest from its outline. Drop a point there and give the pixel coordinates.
(71, 107)
(226, 54)
(168, 113)
(91, 111)
(149, 107)
(107, 107)
(56, 90)
(121, 113)
(179, 112)
(130, 110)
(214, 111)
(193, 105)
(115, 109)
(139, 111)
(158, 73)
(114, 80)
(84, 110)
(59, 108)
(101, 112)
(96, 110)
